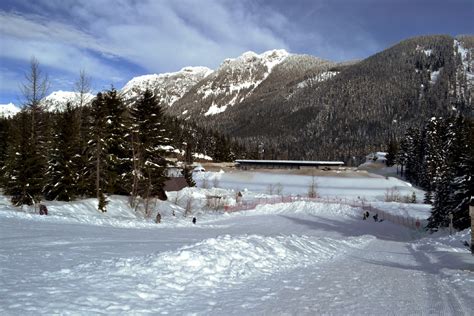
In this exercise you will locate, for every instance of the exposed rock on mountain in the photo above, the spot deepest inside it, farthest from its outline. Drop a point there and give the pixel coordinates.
(168, 87)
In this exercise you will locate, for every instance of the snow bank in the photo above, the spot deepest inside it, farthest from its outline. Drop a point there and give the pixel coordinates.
(410, 210)
(160, 281)
(119, 213)
(303, 207)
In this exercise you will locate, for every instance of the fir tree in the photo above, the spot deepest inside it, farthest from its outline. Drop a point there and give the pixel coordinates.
(118, 167)
(455, 185)
(16, 172)
(434, 159)
(85, 160)
(391, 152)
(28, 187)
(3, 148)
(461, 184)
(414, 152)
(188, 175)
(97, 147)
(62, 171)
(149, 137)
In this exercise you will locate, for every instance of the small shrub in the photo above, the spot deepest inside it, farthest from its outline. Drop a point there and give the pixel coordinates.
(188, 207)
(392, 195)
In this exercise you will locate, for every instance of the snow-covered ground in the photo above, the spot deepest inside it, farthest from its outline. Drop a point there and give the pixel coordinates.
(353, 188)
(300, 258)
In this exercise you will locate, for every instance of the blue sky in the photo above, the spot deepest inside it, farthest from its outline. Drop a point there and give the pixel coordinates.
(115, 40)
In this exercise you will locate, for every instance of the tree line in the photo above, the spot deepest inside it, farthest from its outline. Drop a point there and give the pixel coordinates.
(96, 148)
(356, 111)
(439, 157)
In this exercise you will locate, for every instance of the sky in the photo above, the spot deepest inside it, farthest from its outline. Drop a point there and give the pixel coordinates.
(113, 41)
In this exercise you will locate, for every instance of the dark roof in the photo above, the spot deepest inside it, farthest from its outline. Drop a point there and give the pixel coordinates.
(175, 184)
(291, 162)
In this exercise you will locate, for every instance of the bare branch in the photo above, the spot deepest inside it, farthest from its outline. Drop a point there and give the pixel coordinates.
(36, 86)
(82, 87)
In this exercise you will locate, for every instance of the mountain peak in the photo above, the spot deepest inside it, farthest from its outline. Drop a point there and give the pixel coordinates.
(170, 86)
(57, 100)
(271, 57)
(8, 110)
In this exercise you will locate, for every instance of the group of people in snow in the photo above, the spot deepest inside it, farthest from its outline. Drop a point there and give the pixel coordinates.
(366, 215)
(158, 218)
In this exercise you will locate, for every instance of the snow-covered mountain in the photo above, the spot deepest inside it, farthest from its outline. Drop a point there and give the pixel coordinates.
(230, 84)
(8, 110)
(57, 100)
(168, 87)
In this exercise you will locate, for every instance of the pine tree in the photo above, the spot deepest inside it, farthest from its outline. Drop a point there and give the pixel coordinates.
(27, 175)
(16, 172)
(85, 160)
(62, 171)
(97, 148)
(391, 152)
(188, 175)
(188, 153)
(428, 199)
(461, 186)
(118, 166)
(149, 137)
(4, 130)
(402, 155)
(455, 185)
(414, 153)
(434, 159)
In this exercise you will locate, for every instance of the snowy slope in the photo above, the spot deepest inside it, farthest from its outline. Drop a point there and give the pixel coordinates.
(57, 100)
(230, 84)
(168, 87)
(8, 110)
(301, 259)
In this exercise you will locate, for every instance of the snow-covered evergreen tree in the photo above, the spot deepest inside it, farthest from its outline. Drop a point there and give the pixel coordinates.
(16, 172)
(118, 162)
(149, 137)
(98, 148)
(62, 171)
(412, 148)
(455, 185)
(461, 158)
(434, 159)
(84, 160)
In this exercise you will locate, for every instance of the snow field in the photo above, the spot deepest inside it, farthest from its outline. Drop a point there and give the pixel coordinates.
(349, 189)
(302, 258)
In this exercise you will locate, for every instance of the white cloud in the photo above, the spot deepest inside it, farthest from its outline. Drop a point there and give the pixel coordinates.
(156, 35)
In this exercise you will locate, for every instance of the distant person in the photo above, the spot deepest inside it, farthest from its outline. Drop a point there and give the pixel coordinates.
(194, 220)
(158, 218)
(43, 209)
(239, 197)
(174, 214)
(376, 217)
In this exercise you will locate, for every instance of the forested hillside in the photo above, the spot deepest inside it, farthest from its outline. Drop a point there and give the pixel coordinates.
(321, 110)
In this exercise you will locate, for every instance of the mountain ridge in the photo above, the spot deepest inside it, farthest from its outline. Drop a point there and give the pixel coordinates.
(304, 107)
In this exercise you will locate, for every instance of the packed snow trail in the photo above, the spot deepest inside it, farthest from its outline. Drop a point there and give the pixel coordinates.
(298, 258)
